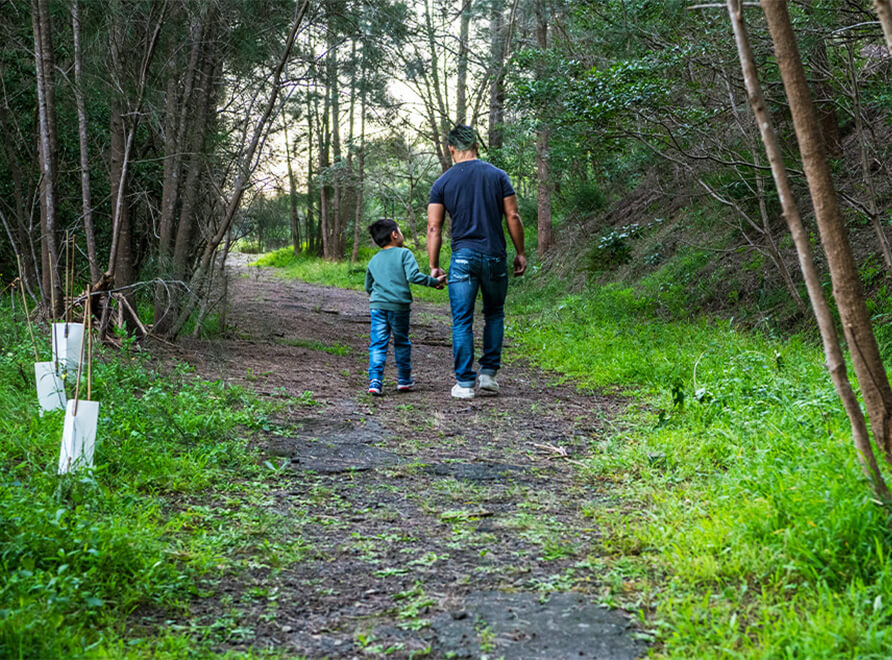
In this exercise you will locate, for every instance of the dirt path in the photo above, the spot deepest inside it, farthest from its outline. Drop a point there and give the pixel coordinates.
(419, 526)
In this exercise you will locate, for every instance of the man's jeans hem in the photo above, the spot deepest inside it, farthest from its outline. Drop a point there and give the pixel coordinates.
(466, 383)
(489, 372)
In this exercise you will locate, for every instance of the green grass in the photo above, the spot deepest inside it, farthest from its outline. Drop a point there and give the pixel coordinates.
(81, 553)
(344, 274)
(748, 524)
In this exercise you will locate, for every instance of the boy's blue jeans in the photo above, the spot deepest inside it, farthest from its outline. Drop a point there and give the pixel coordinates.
(471, 272)
(385, 323)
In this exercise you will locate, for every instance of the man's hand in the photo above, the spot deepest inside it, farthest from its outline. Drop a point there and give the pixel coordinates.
(438, 273)
(441, 279)
(520, 265)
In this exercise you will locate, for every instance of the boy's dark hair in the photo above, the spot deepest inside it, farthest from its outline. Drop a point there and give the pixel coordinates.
(462, 137)
(381, 230)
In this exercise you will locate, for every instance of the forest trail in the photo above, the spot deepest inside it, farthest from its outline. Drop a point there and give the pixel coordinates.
(419, 525)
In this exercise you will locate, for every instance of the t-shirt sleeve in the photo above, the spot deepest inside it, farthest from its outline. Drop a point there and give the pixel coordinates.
(436, 196)
(413, 273)
(507, 188)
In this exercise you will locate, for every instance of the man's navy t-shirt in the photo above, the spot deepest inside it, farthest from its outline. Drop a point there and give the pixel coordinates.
(473, 192)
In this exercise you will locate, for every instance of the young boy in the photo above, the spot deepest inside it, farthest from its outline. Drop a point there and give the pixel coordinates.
(387, 282)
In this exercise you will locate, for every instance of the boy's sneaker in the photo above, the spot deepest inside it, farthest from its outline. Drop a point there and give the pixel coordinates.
(459, 392)
(488, 385)
(375, 387)
(405, 387)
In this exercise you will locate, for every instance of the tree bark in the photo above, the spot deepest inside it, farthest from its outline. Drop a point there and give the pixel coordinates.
(847, 289)
(872, 207)
(835, 361)
(497, 77)
(206, 260)
(48, 149)
(178, 108)
(360, 184)
(461, 91)
(292, 194)
(884, 11)
(86, 203)
(543, 165)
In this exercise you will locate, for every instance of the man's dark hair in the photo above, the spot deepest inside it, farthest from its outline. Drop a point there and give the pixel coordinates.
(381, 230)
(462, 137)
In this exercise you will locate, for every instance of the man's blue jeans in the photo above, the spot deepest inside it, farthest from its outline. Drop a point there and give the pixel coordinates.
(385, 323)
(471, 272)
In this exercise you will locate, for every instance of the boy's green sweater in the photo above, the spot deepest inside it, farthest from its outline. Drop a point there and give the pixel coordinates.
(387, 279)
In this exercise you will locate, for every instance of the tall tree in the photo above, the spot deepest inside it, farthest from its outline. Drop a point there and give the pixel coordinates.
(847, 289)
(835, 361)
(884, 11)
(543, 164)
(86, 197)
(48, 142)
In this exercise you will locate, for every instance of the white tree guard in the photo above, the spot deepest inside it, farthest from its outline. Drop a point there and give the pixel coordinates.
(78, 436)
(50, 388)
(67, 340)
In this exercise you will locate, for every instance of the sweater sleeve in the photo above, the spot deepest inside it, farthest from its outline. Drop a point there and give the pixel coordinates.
(368, 281)
(413, 274)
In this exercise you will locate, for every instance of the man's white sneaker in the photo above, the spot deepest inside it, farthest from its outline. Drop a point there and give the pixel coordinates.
(459, 392)
(488, 385)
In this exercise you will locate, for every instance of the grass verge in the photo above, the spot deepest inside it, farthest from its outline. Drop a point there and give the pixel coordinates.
(85, 557)
(748, 530)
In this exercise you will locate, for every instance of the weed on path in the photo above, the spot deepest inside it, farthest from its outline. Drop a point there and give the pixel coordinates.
(410, 525)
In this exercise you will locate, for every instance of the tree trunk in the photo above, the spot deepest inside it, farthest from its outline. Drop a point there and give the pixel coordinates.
(313, 242)
(543, 166)
(336, 237)
(847, 290)
(833, 353)
(497, 77)
(325, 219)
(86, 203)
(206, 260)
(292, 194)
(357, 220)
(872, 208)
(461, 103)
(48, 148)
(178, 109)
(884, 11)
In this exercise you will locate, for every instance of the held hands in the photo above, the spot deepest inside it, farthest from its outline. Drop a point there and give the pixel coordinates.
(441, 279)
(520, 265)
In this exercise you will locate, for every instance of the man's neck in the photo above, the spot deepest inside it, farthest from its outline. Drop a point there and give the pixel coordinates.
(464, 156)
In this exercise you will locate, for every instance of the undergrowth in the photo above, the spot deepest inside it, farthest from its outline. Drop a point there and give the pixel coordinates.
(750, 530)
(81, 554)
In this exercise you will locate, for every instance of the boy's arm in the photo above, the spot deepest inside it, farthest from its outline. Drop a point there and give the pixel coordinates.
(413, 273)
(368, 281)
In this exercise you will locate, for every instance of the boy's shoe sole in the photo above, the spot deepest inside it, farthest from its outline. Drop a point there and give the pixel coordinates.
(374, 392)
(405, 387)
(459, 392)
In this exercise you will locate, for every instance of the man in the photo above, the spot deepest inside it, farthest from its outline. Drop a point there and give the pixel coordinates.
(477, 195)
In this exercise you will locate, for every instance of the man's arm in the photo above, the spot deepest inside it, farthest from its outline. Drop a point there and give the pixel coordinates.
(436, 215)
(515, 230)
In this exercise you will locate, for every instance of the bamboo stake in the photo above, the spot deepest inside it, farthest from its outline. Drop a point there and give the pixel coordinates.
(80, 366)
(25, 306)
(89, 327)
